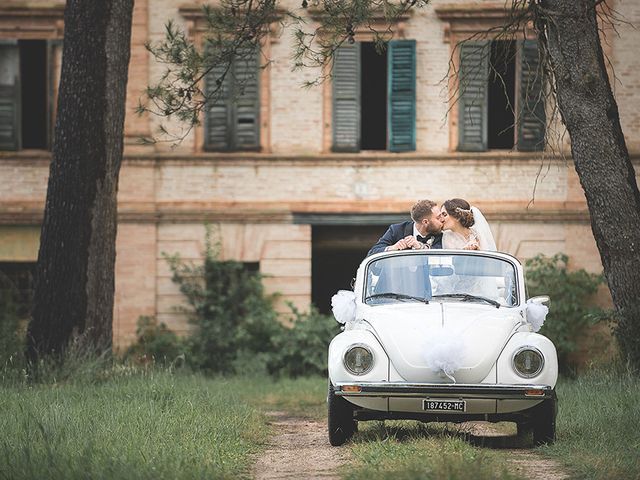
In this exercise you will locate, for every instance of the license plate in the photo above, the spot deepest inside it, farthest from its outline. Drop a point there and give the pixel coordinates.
(444, 405)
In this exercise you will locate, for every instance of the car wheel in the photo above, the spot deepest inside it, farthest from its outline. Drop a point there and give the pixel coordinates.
(543, 422)
(539, 422)
(341, 424)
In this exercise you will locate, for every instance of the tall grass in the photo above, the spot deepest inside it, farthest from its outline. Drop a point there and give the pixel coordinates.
(599, 425)
(137, 427)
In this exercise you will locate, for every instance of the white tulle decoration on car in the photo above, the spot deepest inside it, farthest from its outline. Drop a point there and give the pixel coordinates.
(536, 314)
(444, 352)
(343, 305)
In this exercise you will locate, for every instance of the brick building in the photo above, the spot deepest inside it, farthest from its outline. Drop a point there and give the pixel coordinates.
(302, 181)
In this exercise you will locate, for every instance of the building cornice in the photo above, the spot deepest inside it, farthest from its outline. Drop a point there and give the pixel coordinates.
(482, 20)
(464, 11)
(41, 158)
(317, 212)
(22, 21)
(197, 22)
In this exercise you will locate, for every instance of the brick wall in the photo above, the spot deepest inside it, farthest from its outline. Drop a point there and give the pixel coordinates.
(283, 251)
(167, 194)
(626, 65)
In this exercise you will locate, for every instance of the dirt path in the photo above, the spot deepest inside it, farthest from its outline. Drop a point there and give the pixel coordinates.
(300, 449)
(523, 461)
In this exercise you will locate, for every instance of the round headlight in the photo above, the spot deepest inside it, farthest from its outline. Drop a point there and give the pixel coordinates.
(528, 362)
(358, 359)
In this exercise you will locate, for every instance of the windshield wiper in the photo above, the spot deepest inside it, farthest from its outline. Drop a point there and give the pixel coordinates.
(467, 297)
(397, 296)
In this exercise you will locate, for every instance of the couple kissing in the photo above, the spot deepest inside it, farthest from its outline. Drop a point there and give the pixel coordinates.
(453, 225)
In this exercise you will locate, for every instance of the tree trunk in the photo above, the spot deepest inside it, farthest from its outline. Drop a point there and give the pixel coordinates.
(590, 113)
(74, 286)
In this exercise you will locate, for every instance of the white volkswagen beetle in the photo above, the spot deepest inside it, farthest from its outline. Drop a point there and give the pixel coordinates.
(441, 335)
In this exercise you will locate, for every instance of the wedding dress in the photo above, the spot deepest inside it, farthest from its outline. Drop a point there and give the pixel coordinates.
(480, 234)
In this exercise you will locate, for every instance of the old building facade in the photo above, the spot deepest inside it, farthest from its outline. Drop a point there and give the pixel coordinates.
(301, 181)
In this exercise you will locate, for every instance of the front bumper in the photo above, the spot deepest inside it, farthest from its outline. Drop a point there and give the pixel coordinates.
(444, 390)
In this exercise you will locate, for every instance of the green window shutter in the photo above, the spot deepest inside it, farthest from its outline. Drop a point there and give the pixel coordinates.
(473, 77)
(232, 119)
(346, 98)
(532, 117)
(217, 117)
(10, 107)
(245, 104)
(401, 110)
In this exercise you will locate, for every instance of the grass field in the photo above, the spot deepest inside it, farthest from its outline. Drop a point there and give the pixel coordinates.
(162, 425)
(141, 427)
(599, 426)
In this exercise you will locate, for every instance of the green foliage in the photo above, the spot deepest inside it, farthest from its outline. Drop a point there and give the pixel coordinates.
(569, 308)
(302, 349)
(233, 318)
(237, 329)
(598, 418)
(156, 343)
(144, 425)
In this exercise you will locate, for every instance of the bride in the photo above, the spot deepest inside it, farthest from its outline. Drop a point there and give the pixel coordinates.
(465, 228)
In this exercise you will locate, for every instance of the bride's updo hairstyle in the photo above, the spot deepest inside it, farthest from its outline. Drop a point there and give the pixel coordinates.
(460, 210)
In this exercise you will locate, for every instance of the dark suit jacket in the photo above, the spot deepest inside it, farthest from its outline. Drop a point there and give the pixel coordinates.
(396, 232)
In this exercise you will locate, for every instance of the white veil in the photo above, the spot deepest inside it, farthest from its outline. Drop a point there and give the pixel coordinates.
(481, 227)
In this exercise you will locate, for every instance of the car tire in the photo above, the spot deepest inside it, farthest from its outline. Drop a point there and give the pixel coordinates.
(341, 424)
(539, 423)
(543, 423)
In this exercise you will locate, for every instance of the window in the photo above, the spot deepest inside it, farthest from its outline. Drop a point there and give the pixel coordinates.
(501, 95)
(374, 97)
(501, 105)
(24, 94)
(232, 122)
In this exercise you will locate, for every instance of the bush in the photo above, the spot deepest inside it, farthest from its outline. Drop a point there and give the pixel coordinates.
(155, 343)
(234, 320)
(302, 349)
(569, 309)
(237, 330)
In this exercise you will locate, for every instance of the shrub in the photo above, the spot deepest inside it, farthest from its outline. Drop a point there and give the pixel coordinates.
(302, 349)
(234, 320)
(155, 343)
(569, 309)
(237, 330)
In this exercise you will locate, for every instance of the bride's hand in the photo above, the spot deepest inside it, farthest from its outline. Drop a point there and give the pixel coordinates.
(472, 246)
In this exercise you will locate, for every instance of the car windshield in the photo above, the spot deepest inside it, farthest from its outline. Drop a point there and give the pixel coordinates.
(436, 277)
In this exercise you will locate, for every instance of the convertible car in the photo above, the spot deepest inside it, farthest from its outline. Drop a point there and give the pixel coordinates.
(441, 336)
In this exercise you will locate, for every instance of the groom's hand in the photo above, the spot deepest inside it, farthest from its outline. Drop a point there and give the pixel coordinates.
(401, 244)
(413, 243)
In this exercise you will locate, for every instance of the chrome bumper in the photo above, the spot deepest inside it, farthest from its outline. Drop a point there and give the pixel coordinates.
(444, 390)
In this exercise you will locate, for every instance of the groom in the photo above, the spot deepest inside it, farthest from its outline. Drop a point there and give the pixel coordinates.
(425, 231)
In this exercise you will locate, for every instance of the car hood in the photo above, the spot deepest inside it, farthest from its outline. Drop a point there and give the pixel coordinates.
(442, 342)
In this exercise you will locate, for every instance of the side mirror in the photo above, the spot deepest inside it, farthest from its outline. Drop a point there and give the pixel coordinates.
(540, 299)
